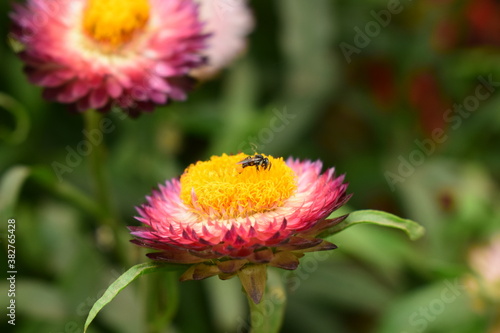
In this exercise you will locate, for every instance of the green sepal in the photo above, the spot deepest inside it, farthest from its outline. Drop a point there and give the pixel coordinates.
(253, 279)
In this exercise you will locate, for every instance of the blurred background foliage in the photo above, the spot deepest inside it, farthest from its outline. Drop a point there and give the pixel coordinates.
(367, 114)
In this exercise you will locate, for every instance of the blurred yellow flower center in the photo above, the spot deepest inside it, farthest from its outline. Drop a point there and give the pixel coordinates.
(222, 188)
(115, 21)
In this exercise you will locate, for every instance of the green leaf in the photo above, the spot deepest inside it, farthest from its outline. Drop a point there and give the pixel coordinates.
(413, 229)
(440, 306)
(14, 178)
(40, 299)
(21, 118)
(46, 178)
(10, 186)
(124, 280)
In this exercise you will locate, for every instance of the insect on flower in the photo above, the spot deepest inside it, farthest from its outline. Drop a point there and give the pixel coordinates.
(217, 221)
(256, 160)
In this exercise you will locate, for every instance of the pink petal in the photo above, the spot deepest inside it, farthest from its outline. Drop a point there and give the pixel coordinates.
(98, 98)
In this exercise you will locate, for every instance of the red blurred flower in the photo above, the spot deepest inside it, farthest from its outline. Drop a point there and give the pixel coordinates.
(475, 24)
(381, 80)
(482, 16)
(427, 97)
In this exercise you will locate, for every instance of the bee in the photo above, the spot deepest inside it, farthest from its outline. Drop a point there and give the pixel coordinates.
(256, 160)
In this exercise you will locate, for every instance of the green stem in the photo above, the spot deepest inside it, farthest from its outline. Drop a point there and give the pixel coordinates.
(96, 162)
(164, 301)
(100, 178)
(172, 287)
(45, 178)
(268, 315)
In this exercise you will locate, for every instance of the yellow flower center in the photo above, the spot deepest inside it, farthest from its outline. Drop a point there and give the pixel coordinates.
(115, 21)
(222, 188)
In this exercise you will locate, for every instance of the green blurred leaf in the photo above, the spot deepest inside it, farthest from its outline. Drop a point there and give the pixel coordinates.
(10, 186)
(236, 109)
(412, 229)
(21, 117)
(380, 248)
(323, 278)
(40, 299)
(226, 302)
(442, 306)
(45, 177)
(124, 280)
(312, 317)
(311, 71)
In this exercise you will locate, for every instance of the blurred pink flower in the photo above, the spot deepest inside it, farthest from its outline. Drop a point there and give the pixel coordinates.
(485, 264)
(228, 22)
(483, 283)
(101, 53)
(224, 219)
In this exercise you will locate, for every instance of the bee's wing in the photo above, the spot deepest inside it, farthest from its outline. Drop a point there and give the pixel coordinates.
(245, 160)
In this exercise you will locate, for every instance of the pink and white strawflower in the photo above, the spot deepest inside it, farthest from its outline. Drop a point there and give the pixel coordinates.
(224, 217)
(95, 54)
(484, 283)
(228, 22)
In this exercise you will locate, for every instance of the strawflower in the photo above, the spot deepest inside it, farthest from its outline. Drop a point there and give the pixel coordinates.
(228, 218)
(95, 54)
(228, 22)
(484, 283)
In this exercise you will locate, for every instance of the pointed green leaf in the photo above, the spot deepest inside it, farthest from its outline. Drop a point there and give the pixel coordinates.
(413, 229)
(124, 280)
